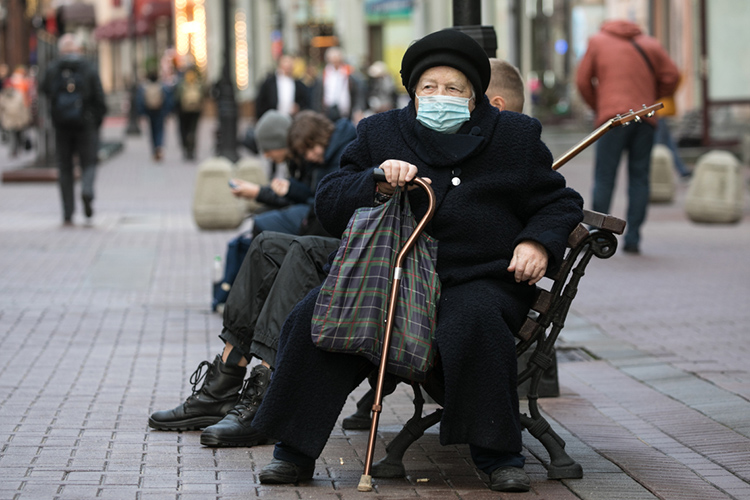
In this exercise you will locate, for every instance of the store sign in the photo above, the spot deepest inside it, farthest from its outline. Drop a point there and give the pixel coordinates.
(379, 9)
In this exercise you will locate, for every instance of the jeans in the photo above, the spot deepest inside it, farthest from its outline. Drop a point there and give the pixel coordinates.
(71, 141)
(188, 126)
(664, 136)
(637, 139)
(284, 220)
(156, 122)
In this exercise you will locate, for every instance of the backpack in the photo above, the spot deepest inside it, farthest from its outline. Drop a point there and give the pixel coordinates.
(153, 95)
(15, 114)
(191, 97)
(68, 98)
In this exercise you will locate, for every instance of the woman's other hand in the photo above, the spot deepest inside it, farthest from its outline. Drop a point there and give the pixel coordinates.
(529, 262)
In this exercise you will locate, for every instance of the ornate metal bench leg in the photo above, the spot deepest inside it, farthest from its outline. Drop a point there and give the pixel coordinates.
(560, 466)
(392, 465)
(360, 419)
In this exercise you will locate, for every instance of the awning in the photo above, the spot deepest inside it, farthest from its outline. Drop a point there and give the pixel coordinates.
(117, 29)
(153, 9)
(81, 14)
(147, 12)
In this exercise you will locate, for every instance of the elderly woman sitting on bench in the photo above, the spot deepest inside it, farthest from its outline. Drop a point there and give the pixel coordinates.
(502, 220)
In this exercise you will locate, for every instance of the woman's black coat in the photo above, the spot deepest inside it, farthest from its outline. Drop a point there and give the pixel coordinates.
(507, 193)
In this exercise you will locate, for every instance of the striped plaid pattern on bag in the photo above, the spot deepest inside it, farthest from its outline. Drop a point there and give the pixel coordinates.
(350, 311)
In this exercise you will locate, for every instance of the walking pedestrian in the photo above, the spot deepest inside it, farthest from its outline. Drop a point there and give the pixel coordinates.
(154, 101)
(189, 96)
(624, 69)
(77, 109)
(15, 108)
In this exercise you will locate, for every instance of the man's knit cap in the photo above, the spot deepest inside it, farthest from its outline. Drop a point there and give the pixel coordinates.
(272, 129)
(448, 47)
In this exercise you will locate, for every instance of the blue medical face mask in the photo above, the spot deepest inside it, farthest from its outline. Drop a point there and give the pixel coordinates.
(443, 113)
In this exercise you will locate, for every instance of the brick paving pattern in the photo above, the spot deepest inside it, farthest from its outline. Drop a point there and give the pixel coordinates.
(102, 324)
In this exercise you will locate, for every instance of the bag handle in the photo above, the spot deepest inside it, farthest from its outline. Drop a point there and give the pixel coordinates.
(365, 482)
(379, 176)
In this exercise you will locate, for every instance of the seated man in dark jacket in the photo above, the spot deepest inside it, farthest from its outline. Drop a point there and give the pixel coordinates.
(313, 145)
(278, 270)
(502, 221)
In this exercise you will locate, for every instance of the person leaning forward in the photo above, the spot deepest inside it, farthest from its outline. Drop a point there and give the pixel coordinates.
(502, 221)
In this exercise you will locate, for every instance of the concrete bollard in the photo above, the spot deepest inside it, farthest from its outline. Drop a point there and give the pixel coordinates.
(715, 192)
(214, 206)
(662, 179)
(746, 148)
(252, 169)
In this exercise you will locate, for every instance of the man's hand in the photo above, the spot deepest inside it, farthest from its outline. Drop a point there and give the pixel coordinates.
(529, 262)
(280, 186)
(397, 173)
(245, 189)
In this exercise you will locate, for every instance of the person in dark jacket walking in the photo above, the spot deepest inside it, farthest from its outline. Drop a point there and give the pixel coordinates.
(502, 221)
(77, 108)
(189, 96)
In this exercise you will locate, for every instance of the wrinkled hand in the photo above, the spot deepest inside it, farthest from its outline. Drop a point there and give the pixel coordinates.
(397, 173)
(280, 186)
(245, 189)
(529, 262)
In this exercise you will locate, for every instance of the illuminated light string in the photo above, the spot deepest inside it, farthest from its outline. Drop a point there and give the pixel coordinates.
(241, 56)
(190, 36)
(198, 39)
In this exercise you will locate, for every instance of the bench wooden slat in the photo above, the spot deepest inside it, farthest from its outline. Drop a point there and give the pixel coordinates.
(527, 329)
(577, 235)
(543, 301)
(603, 221)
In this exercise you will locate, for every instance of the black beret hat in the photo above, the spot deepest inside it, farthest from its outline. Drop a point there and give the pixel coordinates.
(448, 47)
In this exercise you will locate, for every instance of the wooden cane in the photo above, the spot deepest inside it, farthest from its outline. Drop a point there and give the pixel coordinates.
(365, 482)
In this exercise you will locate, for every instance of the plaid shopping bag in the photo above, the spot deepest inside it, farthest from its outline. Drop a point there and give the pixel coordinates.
(351, 309)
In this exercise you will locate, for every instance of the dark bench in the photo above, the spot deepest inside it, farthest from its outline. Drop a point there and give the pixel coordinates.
(595, 236)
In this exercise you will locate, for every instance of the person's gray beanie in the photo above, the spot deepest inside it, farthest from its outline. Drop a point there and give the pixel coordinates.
(271, 130)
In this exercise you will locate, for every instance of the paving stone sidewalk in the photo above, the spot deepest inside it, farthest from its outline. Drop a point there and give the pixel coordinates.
(101, 324)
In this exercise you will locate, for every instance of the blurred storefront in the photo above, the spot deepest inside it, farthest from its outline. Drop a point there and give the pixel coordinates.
(544, 38)
(132, 35)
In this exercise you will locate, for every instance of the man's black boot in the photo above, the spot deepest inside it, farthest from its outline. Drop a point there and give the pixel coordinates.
(207, 405)
(235, 429)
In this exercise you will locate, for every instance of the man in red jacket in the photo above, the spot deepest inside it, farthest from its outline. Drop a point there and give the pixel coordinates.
(624, 69)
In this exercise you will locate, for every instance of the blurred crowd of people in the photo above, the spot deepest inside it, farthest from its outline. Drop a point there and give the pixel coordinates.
(17, 107)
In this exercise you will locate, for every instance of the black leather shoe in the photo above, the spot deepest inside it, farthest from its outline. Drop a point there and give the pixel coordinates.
(207, 405)
(633, 249)
(281, 472)
(235, 428)
(509, 479)
(88, 210)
